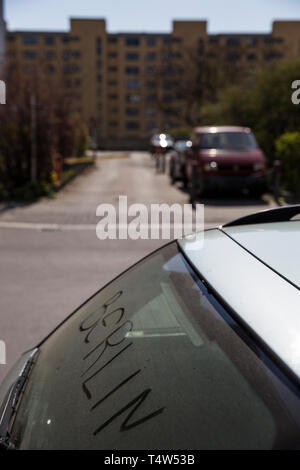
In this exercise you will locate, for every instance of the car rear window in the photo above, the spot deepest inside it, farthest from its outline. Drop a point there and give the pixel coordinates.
(228, 140)
(152, 361)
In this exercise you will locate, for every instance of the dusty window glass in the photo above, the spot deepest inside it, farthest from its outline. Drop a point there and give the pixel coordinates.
(152, 361)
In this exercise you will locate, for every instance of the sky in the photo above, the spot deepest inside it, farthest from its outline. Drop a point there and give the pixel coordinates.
(150, 15)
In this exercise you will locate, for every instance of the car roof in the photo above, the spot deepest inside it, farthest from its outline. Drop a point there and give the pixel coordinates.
(254, 269)
(216, 129)
(275, 244)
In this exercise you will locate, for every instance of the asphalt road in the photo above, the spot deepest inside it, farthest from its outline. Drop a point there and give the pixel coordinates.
(51, 259)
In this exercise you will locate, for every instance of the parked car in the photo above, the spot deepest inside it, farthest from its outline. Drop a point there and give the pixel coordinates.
(178, 161)
(225, 157)
(197, 346)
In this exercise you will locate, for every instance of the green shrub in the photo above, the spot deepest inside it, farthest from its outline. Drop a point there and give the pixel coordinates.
(81, 139)
(27, 192)
(264, 104)
(179, 133)
(288, 152)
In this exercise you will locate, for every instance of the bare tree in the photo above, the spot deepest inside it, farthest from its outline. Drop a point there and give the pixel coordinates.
(37, 122)
(194, 80)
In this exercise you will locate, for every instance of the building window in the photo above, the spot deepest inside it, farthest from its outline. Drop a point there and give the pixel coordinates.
(233, 42)
(49, 40)
(170, 84)
(251, 57)
(131, 111)
(151, 41)
(233, 57)
(172, 70)
(133, 98)
(31, 40)
(71, 68)
(65, 39)
(99, 78)
(151, 111)
(11, 38)
(112, 55)
(113, 68)
(176, 55)
(167, 56)
(150, 84)
(132, 70)
(30, 54)
(151, 56)
(151, 98)
(132, 84)
(66, 55)
(99, 64)
(132, 125)
(151, 125)
(269, 40)
(112, 82)
(112, 39)
(113, 123)
(76, 82)
(251, 42)
(30, 68)
(113, 96)
(177, 111)
(132, 56)
(167, 40)
(273, 56)
(150, 70)
(176, 40)
(168, 98)
(132, 41)
(50, 69)
(50, 55)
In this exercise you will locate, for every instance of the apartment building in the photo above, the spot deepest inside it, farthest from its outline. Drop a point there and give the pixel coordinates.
(126, 85)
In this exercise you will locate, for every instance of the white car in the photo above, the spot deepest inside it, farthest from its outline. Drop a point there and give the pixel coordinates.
(195, 347)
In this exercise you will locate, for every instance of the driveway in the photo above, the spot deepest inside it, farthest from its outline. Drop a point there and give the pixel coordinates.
(51, 259)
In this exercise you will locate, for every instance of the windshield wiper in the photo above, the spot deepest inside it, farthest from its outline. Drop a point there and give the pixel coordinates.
(11, 402)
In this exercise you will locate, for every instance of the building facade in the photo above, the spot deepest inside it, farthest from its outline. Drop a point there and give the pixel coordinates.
(126, 85)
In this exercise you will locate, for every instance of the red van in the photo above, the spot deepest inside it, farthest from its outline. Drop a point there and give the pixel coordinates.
(225, 157)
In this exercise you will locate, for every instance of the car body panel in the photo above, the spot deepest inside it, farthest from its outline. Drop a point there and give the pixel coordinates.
(240, 160)
(206, 129)
(276, 244)
(259, 297)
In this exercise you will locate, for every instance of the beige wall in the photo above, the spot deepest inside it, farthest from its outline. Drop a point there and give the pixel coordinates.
(290, 32)
(99, 81)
